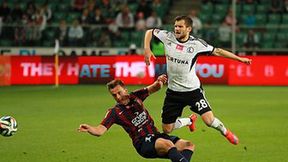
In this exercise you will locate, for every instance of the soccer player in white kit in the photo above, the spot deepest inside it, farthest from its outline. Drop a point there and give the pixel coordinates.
(184, 87)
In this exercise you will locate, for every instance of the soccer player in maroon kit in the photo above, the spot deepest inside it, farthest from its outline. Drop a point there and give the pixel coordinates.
(130, 113)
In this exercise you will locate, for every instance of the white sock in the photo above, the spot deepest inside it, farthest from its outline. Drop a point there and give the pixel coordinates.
(217, 124)
(181, 122)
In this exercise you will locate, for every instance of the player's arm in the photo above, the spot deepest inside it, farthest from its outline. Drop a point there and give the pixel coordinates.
(227, 54)
(158, 84)
(96, 131)
(147, 51)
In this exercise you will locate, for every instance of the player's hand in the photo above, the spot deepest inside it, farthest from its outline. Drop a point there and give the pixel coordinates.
(162, 78)
(147, 56)
(95, 131)
(84, 128)
(246, 60)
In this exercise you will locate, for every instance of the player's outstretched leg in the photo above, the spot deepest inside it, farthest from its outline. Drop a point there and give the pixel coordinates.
(166, 147)
(214, 122)
(232, 138)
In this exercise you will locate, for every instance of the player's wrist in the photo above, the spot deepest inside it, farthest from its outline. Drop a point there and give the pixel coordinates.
(147, 49)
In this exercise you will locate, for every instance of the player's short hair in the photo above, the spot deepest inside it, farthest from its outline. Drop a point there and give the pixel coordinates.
(112, 84)
(188, 21)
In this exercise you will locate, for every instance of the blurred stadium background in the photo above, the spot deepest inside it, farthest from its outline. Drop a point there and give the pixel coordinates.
(97, 45)
(38, 23)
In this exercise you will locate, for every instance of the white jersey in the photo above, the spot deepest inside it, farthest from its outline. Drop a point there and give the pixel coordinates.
(181, 60)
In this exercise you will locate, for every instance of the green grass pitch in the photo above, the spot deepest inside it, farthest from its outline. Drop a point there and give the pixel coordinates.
(48, 118)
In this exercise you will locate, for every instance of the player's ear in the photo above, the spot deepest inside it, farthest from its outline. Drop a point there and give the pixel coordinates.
(189, 29)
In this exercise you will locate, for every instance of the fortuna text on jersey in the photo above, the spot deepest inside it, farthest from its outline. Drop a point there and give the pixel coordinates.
(177, 60)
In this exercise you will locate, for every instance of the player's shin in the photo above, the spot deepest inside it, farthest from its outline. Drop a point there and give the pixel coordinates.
(187, 154)
(181, 122)
(218, 125)
(231, 137)
(175, 156)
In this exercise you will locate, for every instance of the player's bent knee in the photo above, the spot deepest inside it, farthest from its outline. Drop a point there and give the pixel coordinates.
(184, 145)
(164, 144)
(190, 146)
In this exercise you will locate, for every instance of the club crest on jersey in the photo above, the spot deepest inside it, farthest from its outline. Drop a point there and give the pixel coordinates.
(179, 47)
(190, 49)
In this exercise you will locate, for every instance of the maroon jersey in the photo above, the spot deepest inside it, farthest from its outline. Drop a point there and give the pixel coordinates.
(133, 117)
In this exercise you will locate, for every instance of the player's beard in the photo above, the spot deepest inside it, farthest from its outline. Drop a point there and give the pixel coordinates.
(180, 35)
(124, 100)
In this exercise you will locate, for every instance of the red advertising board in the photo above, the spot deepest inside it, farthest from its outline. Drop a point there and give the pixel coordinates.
(96, 69)
(212, 69)
(264, 70)
(26, 70)
(74, 70)
(5, 72)
(133, 70)
(68, 70)
(101, 69)
(41, 70)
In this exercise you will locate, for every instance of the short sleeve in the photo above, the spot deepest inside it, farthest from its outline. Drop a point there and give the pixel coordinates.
(204, 47)
(142, 94)
(160, 34)
(109, 119)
